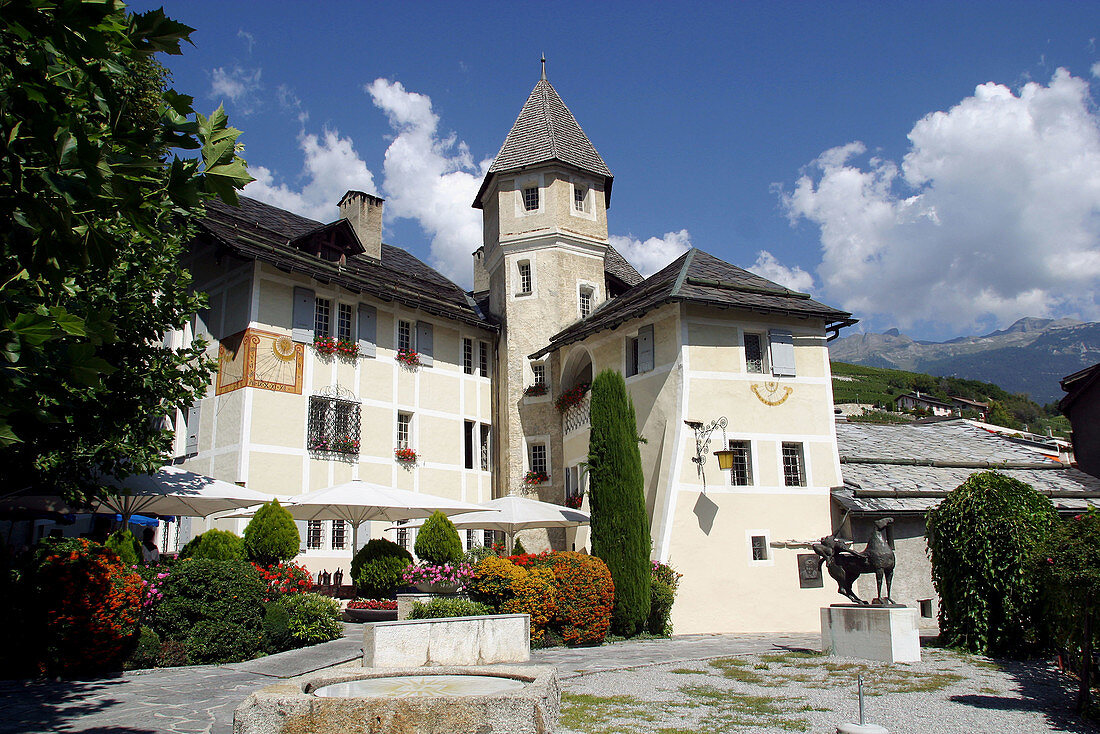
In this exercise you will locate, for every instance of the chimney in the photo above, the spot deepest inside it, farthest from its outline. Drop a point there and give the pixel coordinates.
(364, 213)
(481, 275)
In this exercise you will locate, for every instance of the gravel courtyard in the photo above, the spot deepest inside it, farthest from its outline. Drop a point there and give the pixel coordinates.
(803, 691)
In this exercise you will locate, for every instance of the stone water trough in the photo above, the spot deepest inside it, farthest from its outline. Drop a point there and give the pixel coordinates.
(498, 699)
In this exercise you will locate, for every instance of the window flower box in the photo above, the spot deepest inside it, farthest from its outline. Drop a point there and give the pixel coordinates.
(325, 345)
(534, 478)
(572, 396)
(536, 390)
(408, 357)
(346, 445)
(405, 455)
(347, 348)
(371, 610)
(574, 502)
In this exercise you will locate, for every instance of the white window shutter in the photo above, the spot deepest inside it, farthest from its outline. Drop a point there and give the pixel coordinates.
(191, 442)
(645, 348)
(304, 304)
(424, 342)
(782, 352)
(302, 531)
(368, 330)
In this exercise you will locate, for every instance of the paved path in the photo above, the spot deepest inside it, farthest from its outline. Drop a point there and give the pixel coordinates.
(202, 698)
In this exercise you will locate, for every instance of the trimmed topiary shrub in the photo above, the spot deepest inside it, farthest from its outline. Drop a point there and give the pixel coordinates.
(619, 523)
(438, 542)
(229, 594)
(276, 627)
(271, 536)
(377, 566)
(518, 549)
(85, 605)
(441, 607)
(985, 540)
(125, 545)
(216, 545)
(312, 618)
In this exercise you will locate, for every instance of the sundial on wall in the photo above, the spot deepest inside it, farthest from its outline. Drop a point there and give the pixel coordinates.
(771, 392)
(260, 359)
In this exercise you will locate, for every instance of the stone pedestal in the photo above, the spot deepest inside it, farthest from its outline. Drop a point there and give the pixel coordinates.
(888, 634)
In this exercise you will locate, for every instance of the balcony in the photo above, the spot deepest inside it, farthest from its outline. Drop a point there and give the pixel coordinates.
(578, 416)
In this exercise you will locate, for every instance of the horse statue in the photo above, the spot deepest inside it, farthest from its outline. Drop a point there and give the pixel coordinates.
(846, 565)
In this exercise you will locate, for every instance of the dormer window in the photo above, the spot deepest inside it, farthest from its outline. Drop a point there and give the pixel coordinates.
(580, 197)
(531, 198)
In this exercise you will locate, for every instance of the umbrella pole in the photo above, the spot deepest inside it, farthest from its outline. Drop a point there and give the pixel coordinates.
(354, 538)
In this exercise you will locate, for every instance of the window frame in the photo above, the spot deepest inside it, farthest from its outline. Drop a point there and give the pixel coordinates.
(762, 343)
(525, 274)
(345, 321)
(529, 195)
(315, 535)
(586, 298)
(485, 446)
(343, 535)
(322, 315)
(535, 446)
(403, 426)
(736, 446)
(405, 338)
(467, 356)
(484, 360)
(329, 419)
(751, 547)
(801, 480)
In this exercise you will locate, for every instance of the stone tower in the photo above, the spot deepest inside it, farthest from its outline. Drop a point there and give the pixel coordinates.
(545, 202)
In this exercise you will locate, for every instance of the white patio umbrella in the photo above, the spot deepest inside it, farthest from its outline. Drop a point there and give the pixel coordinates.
(512, 514)
(176, 491)
(357, 502)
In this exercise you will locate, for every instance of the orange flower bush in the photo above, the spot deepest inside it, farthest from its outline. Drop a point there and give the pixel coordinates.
(534, 594)
(90, 604)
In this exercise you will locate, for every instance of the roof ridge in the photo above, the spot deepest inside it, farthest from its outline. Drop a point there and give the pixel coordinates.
(683, 271)
(550, 132)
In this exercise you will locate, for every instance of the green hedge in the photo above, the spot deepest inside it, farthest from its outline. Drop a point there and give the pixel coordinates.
(441, 607)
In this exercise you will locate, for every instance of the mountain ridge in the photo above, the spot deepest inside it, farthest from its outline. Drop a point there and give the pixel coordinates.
(1029, 356)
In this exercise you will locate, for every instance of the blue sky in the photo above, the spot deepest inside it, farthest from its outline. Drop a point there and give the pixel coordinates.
(800, 140)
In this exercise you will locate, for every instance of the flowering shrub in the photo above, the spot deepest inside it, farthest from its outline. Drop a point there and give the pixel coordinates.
(408, 357)
(534, 593)
(447, 573)
(539, 388)
(405, 455)
(662, 594)
(491, 581)
(88, 602)
(574, 501)
(585, 596)
(284, 578)
(153, 579)
(571, 397)
(667, 574)
(533, 478)
(378, 604)
(324, 345)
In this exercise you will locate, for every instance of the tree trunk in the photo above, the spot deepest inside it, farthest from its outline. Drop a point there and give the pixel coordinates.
(1084, 689)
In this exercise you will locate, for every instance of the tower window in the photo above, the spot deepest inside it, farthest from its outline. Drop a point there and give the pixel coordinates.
(531, 198)
(580, 197)
(794, 465)
(525, 285)
(322, 317)
(586, 302)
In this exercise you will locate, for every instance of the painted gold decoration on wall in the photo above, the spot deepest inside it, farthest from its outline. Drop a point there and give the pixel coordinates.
(772, 393)
(260, 359)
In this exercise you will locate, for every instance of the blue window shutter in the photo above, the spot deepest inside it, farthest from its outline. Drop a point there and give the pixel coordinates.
(424, 338)
(304, 304)
(368, 330)
(782, 349)
(645, 348)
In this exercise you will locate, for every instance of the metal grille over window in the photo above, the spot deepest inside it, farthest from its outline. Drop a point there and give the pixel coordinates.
(471, 539)
(404, 335)
(538, 458)
(579, 415)
(525, 277)
(322, 317)
(468, 356)
(759, 548)
(333, 425)
(741, 471)
(586, 303)
(531, 198)
(339, 534)
(314, 534)
(490, 538)
(754, 354)
(794, 471)
(343, 322)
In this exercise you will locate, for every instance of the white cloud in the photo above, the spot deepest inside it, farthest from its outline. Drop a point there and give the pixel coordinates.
(652, 254)
(238, 85)
(332, 167)
(766, 266)
(430, 178)
(993, 214)
(1095, 67)
(248, 39)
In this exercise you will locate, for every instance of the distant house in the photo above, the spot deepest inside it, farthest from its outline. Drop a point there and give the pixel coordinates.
(903, 471)
(915, 401)
(967, 404)
(1082, 406)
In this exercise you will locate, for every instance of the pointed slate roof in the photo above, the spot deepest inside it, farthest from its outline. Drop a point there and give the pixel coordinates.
(699, 277)
(546, 131)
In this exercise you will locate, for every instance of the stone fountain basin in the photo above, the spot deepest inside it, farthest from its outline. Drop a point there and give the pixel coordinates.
(498, 699)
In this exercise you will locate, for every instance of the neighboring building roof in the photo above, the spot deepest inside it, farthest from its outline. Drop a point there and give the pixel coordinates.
(912, 467)
(259, 231)
(546, 131)
(967, 402)
(698, 277)
(1076, 384)
(925, 399)
(616, 266)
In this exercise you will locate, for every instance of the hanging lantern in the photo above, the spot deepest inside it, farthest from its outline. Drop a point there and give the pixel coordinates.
(725, 459)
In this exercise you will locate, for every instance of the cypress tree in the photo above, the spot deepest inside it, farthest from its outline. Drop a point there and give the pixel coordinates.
(619, 524)
(271, 536)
